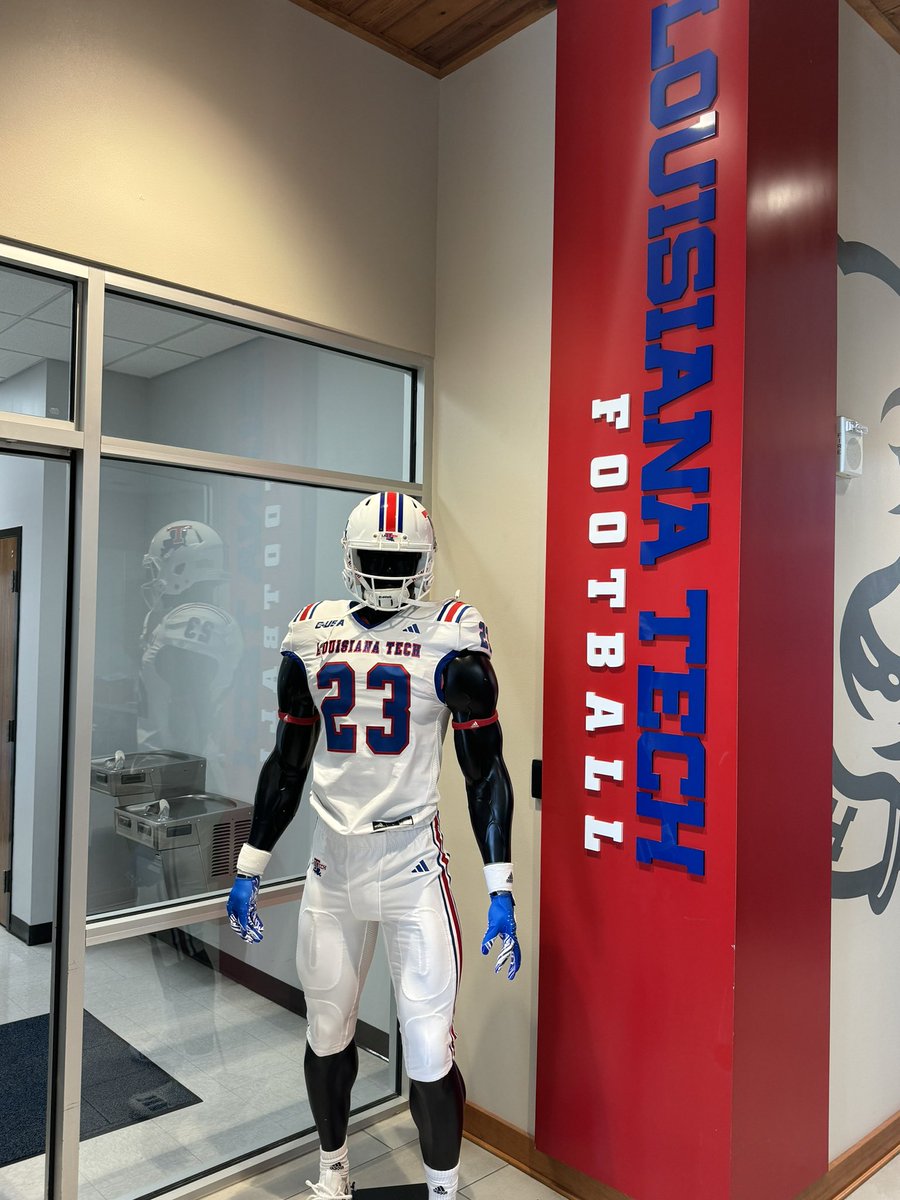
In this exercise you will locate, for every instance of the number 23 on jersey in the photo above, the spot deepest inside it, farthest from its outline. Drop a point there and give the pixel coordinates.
(392, 681)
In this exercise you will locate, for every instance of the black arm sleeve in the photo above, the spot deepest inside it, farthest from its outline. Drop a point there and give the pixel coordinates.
(284, 772)
(470, 690)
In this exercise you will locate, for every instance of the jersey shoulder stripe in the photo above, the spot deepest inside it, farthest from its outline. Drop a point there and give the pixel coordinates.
(453, 612)
(301, 631)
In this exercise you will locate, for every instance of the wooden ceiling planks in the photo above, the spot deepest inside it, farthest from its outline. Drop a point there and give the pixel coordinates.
(379, 15)
(418, 26)
(438, 36)
(883, 16)
(491, 20)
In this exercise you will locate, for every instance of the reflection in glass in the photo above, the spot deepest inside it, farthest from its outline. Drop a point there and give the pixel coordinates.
(35, 344)
(199, 576)
(182, 379)
(198, 1058)
(33, 585)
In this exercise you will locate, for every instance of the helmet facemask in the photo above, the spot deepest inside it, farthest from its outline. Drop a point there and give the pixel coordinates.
(389, 580)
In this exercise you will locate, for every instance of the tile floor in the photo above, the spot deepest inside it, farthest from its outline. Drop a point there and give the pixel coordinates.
(240, 1053)
(243, 1056)
(884, 1185)
(388, 1153)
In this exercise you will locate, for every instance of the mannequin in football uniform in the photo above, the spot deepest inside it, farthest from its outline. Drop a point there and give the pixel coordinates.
(190, 647)
(366, 690)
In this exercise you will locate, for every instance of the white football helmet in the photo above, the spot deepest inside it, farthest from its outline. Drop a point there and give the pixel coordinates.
(389, 547)
(181, 554)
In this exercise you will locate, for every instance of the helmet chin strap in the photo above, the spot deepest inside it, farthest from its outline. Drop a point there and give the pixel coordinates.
(417, 604)
(386, 599)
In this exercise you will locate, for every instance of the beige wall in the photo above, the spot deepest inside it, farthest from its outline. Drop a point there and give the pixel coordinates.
(490, 445)
(240, 147)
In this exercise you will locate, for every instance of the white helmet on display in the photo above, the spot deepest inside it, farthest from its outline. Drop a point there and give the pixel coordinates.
(182, 554)
(389, 547)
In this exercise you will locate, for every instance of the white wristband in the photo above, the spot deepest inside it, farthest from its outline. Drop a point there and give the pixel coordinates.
(498, 877)
(252, 861)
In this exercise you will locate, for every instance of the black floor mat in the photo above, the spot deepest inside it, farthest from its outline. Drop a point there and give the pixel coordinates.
(403, 1191)
(119, 1085)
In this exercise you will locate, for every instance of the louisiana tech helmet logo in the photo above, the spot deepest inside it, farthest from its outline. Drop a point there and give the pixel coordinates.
(176, 536)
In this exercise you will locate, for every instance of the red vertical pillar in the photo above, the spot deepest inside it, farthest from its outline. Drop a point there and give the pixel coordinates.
(683, 1008)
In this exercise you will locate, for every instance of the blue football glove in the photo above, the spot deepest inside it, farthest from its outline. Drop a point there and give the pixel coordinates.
(241, 908)
(502, 923)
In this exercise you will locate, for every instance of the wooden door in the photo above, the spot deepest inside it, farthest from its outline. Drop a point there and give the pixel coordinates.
(10, 553)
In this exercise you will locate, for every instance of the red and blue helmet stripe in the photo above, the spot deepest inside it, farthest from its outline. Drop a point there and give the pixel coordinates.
(390, 512)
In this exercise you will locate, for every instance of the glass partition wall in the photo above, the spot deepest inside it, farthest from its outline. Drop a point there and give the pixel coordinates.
(175, 474)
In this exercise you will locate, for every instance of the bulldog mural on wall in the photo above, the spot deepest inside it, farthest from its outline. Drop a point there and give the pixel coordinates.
(866, 763)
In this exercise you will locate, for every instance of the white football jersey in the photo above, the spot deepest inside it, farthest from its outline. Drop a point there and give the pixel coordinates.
(380, 699)
(202, 631)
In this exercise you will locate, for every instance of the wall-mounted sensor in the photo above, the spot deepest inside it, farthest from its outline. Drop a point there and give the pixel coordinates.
(850, 436)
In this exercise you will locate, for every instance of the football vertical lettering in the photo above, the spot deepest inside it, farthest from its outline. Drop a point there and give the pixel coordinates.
(605, 650)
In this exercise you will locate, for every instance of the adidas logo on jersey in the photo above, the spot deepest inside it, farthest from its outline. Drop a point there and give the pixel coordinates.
(440, 1190)
(420, 868)
(412, 629)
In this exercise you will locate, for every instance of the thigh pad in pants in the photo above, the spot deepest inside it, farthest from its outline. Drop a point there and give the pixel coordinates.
(333, 957)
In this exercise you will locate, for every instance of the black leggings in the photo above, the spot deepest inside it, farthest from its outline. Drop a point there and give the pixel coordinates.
(437, 1108)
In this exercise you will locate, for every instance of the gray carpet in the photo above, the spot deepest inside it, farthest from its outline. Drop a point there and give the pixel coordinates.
(119, 1085)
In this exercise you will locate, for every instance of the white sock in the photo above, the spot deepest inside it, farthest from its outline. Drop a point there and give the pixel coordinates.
(442, 1185)
(334, 1169)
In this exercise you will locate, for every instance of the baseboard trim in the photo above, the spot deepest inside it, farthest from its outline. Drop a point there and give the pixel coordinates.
(31, 935)
(857, 1164)
(516, 1147)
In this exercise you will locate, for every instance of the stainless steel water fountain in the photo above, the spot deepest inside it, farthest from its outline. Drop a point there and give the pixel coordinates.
(164, 836)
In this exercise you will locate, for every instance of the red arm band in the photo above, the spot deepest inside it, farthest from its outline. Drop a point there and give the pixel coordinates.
(477, 723)
(288, 719)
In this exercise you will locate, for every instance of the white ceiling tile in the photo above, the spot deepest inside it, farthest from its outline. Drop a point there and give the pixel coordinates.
(210, 338)
(152, 361)
(7, 319)
(12, 363)
(22, 293)
(115, 348)
(37, 337)
(58, 311)
(148, 324)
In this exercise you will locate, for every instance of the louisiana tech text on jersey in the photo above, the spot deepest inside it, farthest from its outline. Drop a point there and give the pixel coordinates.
(368, 646)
